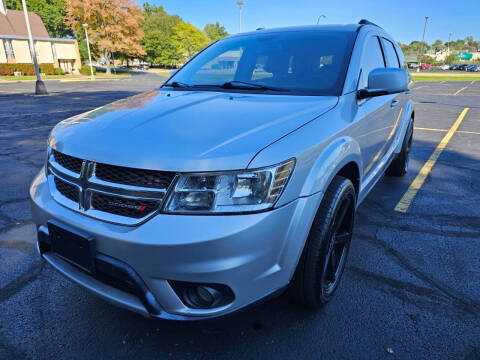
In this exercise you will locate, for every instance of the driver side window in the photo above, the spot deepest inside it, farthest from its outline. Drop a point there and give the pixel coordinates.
(372, 59)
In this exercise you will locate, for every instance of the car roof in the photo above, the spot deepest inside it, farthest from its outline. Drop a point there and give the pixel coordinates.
(327, 28)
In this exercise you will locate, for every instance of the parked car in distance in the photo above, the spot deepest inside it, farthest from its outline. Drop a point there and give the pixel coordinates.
(227, 186)
(444, 67)
(424, 67)
(143, 67)
(473, 68)
(462, 67)
(413, 65)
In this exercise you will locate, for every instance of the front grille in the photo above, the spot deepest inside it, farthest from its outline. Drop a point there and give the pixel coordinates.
(68, 162)
(116, 194)
(122, 206)
(68, 190)
(135, 177)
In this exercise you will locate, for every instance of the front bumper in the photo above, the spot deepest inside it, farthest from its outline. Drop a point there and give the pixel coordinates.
(255, 254)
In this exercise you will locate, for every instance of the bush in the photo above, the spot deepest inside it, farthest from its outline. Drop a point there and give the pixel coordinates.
(85, 70)
(58, 71)
(26, 69)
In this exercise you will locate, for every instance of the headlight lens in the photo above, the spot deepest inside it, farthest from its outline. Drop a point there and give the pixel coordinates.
(229, 192)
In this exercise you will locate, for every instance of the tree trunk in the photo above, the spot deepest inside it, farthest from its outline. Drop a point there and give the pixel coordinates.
(107, 61)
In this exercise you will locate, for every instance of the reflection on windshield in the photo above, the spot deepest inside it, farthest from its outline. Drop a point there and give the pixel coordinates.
(310, 62)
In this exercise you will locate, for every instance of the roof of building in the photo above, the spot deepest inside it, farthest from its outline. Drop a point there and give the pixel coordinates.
(13, 23)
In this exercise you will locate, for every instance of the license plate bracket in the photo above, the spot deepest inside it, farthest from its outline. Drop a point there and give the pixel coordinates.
(72, 245)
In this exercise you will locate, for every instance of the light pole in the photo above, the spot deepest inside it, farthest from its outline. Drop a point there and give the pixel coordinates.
(85, 26)
(40, 88)
(240, 3)
(321, 17)
(423, 38)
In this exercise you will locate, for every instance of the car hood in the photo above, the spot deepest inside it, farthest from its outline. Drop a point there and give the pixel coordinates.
(185, 130)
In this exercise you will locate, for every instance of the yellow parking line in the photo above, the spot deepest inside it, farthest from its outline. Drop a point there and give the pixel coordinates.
(444, 130)
(419, 87)
(417, 183)
(428, 129)
(468, 132)
(473, 81)
(459, 91)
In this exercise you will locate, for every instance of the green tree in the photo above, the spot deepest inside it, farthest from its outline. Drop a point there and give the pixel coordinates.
(82, 49)
(451, 59)
(188, 40)
(458, 45)
(51, 12)
(215, 31)
(415, 48)
(158, 32)
(438, 45)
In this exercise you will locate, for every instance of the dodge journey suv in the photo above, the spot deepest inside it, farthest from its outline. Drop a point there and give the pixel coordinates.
(235, 180)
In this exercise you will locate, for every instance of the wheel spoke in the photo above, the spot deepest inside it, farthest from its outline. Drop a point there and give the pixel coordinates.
(341, 213)
(332, 264)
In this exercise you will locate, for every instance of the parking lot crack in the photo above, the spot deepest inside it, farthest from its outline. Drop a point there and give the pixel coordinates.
(20, 282)
(461, 301)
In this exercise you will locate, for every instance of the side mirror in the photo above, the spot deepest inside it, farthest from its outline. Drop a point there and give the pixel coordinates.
(384, 81)
(173, 72)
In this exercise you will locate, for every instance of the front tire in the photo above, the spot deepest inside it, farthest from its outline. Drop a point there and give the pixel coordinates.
(323, 259)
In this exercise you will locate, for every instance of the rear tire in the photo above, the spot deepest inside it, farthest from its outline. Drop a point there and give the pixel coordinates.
(399, 165)
(323, 259)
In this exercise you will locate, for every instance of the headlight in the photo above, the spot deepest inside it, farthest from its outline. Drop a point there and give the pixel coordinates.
(229, 192)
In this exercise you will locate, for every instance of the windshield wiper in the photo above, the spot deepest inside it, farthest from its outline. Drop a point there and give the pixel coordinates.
(241, 85)
(176, 84)
(246, 85)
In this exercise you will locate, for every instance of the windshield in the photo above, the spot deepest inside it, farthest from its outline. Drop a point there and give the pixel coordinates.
(307, 62)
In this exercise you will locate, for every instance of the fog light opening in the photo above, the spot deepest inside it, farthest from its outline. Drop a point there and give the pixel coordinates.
(203, 296)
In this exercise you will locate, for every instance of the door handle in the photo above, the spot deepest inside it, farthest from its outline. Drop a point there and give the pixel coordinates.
(394, 103)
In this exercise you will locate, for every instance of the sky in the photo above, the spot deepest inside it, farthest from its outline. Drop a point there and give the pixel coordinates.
(403, 19)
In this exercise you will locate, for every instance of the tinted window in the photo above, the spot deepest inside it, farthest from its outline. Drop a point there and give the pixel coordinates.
(309, 62)
(372, 59)
(391, 54)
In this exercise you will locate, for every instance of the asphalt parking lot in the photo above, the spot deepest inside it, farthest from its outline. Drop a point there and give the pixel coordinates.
(412, 283)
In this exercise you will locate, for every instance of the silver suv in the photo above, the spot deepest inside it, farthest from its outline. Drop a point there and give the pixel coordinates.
(235, 180)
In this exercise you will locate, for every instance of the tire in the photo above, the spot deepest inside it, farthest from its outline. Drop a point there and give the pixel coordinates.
(323, 259)
(399, 165)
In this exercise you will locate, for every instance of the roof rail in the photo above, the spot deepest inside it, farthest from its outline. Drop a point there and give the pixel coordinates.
(366, 22)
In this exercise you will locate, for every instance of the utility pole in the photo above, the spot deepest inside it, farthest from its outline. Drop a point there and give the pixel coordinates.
(85, 26)
(321, 17)
(423, 38)
(240, 3)
(40, 88)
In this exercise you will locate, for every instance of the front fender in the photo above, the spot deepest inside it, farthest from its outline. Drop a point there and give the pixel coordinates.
(335, 156)
(321, 149)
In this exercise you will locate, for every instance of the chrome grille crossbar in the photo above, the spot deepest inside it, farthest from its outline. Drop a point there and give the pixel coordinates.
(104, 200)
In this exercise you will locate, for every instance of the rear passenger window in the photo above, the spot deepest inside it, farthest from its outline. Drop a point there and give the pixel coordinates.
(391, 54)
(372, 59)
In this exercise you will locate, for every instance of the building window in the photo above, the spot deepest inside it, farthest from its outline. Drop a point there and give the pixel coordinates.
(7, 43)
